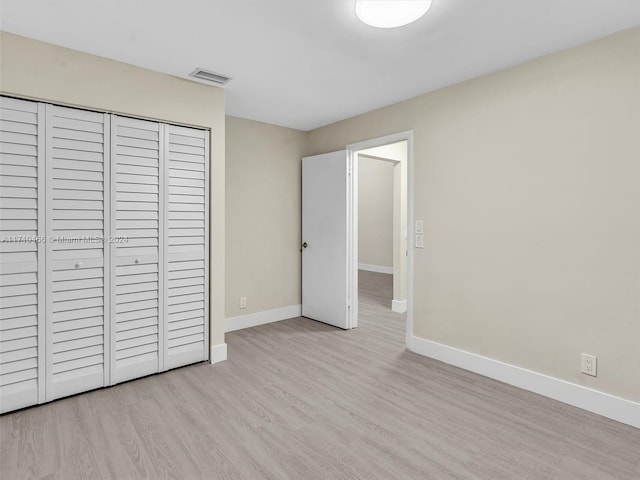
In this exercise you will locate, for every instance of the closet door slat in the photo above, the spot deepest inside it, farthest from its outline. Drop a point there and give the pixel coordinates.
(78, 260)
(22, 253)
(186, 250)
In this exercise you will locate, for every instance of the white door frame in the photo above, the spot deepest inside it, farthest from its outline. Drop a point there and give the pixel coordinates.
(352, 193)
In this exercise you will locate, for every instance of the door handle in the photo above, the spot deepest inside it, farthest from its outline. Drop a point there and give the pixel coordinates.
(304, 245)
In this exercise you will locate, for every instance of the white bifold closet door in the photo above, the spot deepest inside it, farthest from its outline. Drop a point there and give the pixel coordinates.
(186, 255)
(21, 254)
(77, 177)
(104, 250)
(137, 270)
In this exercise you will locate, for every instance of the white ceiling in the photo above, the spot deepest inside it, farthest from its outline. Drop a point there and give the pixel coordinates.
(307, 63)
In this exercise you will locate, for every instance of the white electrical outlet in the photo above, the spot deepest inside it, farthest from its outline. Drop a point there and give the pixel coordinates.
(243, 302)
(589, 364)
(419, 226)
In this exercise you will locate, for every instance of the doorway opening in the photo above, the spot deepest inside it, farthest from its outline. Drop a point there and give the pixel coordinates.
(382, 221)
(381, 216)
(330, 232)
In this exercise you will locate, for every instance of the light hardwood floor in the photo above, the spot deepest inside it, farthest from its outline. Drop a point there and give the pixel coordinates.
(301, 400)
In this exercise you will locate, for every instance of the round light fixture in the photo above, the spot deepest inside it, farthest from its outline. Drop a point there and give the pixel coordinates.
(391, 13)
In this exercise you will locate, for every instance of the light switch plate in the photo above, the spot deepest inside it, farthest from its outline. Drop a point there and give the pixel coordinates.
(419, 226)
(419, 241)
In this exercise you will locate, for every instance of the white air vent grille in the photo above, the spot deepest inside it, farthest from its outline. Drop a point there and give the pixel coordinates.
(209, 76)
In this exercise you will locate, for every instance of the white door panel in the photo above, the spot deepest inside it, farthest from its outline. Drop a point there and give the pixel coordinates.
(136, 251)
(77, 208)
(186, 252)
(21, 256)
(325, 233)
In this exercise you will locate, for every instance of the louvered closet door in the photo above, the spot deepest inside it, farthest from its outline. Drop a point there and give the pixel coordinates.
(77, 227)
(21, 254)
(137, 332)
(187, 286)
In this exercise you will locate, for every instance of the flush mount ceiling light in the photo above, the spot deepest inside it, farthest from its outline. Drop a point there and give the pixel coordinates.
(391, 13)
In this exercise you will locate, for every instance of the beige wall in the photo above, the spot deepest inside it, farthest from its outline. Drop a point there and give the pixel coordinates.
(41, 71)
(263, 215)
(528, 182)
(375, 212)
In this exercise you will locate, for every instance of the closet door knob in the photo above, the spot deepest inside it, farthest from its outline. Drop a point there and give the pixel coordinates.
(78, 265)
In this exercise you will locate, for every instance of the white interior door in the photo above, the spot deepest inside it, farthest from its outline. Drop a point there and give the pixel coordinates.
(21, 256)
(120, 288)
(186, 258)
(78, 172)
(326, 239)
(136, 250)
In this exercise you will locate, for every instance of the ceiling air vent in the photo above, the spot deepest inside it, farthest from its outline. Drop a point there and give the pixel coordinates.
(210, 77)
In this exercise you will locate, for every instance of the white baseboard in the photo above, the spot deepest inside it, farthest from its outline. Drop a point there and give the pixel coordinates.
(616, 408)
(375, 268)
(261, 318)
(399, 306)
(218, 353)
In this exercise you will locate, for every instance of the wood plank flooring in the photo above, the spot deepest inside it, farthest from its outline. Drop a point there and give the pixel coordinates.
(301, 400)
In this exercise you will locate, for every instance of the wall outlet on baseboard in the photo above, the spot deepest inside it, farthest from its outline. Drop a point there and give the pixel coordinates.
(589, 364)
(243, 302)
